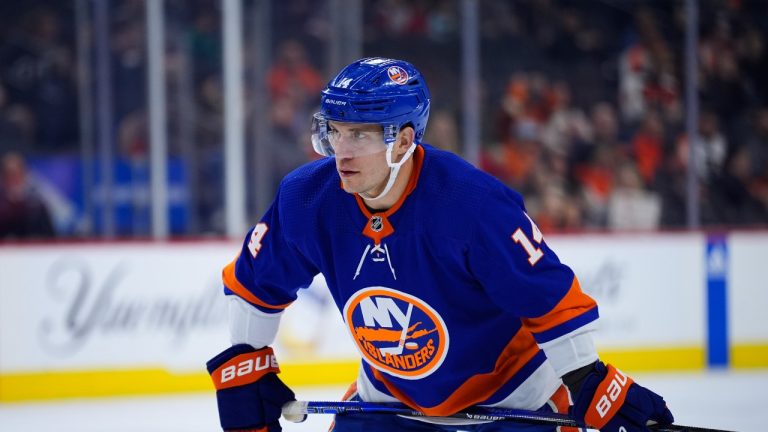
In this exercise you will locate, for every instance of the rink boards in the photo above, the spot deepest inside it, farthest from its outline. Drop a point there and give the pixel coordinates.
(141, 318)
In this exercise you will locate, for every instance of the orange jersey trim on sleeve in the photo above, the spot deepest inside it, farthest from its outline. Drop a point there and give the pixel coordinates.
(572, 305)
(478, 388)
(234, 285)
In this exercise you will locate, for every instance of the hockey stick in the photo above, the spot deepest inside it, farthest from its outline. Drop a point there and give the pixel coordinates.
(295, 411)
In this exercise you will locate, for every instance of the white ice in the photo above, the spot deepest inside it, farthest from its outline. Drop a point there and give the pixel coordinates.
(730, 400)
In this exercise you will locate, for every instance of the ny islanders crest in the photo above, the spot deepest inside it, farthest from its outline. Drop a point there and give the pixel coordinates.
(396, 333)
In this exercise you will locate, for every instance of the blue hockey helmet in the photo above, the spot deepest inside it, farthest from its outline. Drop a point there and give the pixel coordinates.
(391, 93)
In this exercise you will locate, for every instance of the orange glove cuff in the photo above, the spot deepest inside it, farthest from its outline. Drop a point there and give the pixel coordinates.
(245, 369)
(608, 398)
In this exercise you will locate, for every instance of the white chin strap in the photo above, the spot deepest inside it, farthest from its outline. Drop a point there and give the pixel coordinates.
(394, 168)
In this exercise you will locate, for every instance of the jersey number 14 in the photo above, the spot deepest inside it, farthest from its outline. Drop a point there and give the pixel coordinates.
(254, 245)
(534, 253)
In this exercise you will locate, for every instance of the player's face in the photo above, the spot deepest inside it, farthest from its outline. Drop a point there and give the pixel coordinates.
(360, 155)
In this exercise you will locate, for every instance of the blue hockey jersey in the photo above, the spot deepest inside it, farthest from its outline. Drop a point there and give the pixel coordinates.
(452, 296)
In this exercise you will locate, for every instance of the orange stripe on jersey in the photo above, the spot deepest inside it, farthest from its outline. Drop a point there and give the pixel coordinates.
(561, 399)
(572, 305)
(478, 388)
(351, 391)
(234, 285)
(418, 159)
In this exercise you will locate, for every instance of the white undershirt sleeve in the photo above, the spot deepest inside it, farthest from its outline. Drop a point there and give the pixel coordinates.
(571, 351)
(248, 325)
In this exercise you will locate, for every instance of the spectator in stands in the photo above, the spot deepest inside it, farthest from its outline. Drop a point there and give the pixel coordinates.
(512, 105)
(753, 60)
(543, 66)
(605, 125)
(290, 147)
(567, 126)
(209, 202)
(758, 186)
(293, 76)
(671, 185)
(724, 91)
(635, 64)
(520, 156)
(596, 178)
(442, 22)
(400, 18)
(648, 147)
(128, 67)
(23, 213)
(757, 141)
(204, 41)
(548, 208)
(553, 204)
(713, 148)
(630, 206)
(16, 126)
(442, 132)
(37, 69)
(734, 203)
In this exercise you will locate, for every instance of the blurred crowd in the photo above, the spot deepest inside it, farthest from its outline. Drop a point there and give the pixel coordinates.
(617, 156)
(582, 102)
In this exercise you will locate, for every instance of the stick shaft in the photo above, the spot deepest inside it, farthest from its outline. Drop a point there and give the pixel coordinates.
(298, 409)
(294, 409)
(681, 428)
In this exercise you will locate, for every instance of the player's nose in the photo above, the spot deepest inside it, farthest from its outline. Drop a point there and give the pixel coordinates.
(343, 150)
(343, 163)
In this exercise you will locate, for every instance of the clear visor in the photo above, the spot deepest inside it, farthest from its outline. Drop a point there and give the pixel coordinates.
(330, 138)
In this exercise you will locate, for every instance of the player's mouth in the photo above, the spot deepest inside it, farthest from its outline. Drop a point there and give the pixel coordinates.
(347, 173)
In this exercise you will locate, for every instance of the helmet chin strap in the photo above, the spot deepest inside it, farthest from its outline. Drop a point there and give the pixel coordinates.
(394, 169)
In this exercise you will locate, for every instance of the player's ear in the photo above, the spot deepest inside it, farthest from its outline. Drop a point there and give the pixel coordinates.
(404, 139)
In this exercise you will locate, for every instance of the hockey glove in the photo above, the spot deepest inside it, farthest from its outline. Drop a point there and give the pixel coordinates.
(611, 401)
(248, 392)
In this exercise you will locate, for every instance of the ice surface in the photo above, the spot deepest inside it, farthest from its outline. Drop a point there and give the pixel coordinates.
(727, 400)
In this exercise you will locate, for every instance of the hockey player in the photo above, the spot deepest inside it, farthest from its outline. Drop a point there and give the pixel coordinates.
(446, 285)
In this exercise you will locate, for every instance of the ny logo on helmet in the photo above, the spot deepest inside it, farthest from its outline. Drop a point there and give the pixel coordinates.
(398, 74)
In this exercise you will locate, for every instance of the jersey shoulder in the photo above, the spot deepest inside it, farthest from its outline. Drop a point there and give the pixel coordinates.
(453, 186)
(311, 200)
(308, 185)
